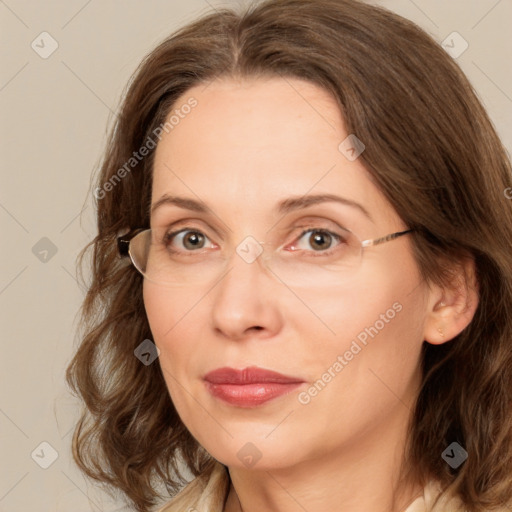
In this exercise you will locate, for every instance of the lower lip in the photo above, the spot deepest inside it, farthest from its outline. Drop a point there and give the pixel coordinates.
(250, 395)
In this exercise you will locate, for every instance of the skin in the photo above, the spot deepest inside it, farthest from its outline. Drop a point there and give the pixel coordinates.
(248, 144)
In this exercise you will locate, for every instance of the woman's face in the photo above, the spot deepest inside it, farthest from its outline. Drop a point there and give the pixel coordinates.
(348, 332)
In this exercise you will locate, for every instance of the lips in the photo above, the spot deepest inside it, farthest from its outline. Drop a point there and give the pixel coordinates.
(249, 387)
(251, 375)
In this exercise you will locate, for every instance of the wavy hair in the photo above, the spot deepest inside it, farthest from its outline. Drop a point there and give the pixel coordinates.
(431, 150)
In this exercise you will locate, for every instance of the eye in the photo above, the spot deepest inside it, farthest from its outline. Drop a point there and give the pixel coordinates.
(320, 240)
(313, 240)
(186, 239)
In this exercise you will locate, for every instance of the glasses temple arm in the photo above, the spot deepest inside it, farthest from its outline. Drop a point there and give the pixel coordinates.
(387, 238)
(123, 241)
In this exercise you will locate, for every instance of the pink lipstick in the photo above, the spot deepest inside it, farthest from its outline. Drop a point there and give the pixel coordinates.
(249, 387)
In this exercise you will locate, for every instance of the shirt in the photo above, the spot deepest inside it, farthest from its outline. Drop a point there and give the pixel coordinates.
(208, 494)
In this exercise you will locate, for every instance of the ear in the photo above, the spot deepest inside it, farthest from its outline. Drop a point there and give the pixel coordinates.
(451, 307)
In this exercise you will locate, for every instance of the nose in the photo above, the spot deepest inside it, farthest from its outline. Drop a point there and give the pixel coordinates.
(246, 300)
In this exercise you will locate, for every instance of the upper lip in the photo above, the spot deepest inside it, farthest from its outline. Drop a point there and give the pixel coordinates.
(250, 375)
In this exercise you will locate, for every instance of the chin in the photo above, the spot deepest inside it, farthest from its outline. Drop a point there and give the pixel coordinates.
(255, 453)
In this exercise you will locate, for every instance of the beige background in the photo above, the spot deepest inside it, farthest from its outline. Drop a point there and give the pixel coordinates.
(54, 117)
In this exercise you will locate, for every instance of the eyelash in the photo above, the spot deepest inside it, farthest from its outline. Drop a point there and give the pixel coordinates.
(169, 237)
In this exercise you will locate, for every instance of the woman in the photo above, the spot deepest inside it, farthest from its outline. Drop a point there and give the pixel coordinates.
(315, 313)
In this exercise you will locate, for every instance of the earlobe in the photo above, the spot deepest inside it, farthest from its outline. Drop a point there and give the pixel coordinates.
(452, 308)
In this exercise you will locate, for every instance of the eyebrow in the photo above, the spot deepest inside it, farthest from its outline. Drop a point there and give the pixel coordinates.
(283, 207)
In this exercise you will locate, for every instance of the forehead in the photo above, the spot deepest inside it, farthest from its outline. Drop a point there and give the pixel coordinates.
(252, 142)
(246, 118)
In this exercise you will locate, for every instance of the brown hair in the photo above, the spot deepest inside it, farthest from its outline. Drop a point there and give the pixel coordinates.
(434, 154)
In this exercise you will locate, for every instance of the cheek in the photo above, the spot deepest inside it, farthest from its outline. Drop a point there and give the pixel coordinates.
(350, 311)
(158, 305)
(176, 334)
(168, 313)
(373, 354)
(167, 309)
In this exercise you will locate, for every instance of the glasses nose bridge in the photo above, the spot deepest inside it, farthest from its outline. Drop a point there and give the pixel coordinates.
(250, 250)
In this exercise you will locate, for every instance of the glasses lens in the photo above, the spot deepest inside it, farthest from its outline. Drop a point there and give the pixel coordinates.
(139, 250)
(174, 262)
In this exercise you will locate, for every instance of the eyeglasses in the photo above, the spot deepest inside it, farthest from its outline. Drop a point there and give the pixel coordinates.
(155, 254)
